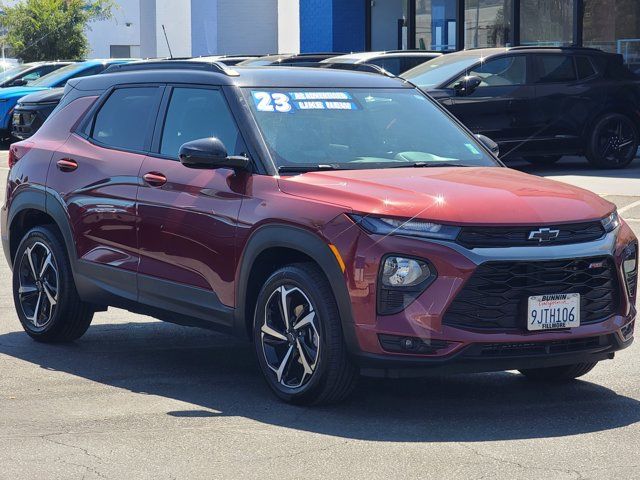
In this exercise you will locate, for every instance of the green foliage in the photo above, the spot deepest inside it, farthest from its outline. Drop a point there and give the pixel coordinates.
(51, 29)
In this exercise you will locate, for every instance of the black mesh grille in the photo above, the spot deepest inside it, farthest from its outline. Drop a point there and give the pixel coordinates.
(542, 348)
(496, 295)
(493, 237)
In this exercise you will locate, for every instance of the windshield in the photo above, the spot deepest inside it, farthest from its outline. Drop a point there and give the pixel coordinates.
(13, 72)
(360, 128)
(441, 69)
(51, 79)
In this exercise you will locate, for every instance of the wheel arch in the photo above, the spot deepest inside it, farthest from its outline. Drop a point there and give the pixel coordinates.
(276, 245)
(621, 109)
(34, 207)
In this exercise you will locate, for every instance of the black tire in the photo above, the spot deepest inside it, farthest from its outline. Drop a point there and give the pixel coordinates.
(613, 142)
(67, 317)
(563, 373)
(543, 159)
(333, 376)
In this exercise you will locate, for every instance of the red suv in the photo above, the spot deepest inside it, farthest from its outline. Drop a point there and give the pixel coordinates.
(342, 221)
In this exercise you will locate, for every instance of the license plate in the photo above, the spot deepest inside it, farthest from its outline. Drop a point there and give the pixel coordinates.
(549, 312)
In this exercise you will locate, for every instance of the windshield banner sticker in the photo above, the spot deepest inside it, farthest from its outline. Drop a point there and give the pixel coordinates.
(280, 102)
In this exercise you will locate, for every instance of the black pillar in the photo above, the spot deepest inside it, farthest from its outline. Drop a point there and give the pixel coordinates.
(411, 24)
(460, 25)
(578, 24)
(515, 23)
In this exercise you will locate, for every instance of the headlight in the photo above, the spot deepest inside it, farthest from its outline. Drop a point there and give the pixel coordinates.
(401, 281)
(611, 222)
(408, 227)
(404, 272)
(630, 267)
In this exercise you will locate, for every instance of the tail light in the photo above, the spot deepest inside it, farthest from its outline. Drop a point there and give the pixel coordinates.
(17, 151)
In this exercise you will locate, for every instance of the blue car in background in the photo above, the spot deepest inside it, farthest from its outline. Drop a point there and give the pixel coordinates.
(9, 96)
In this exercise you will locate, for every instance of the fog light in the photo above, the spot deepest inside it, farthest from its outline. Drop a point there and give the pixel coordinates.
(404, 272)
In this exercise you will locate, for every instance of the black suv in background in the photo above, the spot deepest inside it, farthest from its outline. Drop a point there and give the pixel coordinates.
(32, 110)
(541, 103)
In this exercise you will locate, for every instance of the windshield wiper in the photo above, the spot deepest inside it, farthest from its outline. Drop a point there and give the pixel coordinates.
(305, 168)
(435, 164)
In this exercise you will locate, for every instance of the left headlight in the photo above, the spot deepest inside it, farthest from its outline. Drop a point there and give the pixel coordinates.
(630, 267)
(408, 227)
(611, 222)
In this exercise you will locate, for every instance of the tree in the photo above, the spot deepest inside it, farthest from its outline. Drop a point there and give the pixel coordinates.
(52, 29)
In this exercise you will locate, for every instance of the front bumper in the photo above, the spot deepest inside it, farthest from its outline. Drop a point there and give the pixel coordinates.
(465, 349)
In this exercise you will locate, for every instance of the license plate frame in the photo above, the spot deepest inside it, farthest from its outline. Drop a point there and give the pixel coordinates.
(553, 312)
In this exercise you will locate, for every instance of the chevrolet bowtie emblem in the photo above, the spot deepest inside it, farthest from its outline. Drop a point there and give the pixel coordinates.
(544, 235)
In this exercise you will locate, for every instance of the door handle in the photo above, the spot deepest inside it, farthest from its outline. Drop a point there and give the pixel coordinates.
(67, 165)
(155, 179)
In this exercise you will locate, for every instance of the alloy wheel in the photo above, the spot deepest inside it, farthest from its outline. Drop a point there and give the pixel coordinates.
(38, 285)
(290, 337)
(616, 141)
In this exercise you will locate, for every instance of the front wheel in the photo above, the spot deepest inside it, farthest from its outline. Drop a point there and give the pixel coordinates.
(298, 338)
(613, 143)
(44, 292)
(563, 373)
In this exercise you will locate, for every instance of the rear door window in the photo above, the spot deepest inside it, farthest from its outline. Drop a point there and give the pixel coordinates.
(500, 72)
(554, 69)
(584, 67)
(123, 120)
(196, 113)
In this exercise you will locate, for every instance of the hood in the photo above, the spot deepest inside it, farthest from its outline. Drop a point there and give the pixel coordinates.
(454, 195)
(52, 95)
(19, 92)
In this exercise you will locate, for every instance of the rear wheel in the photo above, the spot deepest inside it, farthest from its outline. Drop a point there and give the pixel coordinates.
(613, 143)
(542, 159)
(44, 292)
(298, 338)
(558, 374)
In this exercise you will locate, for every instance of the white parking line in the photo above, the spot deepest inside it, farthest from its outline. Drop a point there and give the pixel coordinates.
(629, 207)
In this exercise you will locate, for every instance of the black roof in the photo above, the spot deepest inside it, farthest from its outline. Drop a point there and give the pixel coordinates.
(215, 74)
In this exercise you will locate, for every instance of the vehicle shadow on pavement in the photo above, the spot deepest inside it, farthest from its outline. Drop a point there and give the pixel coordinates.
(571, 166)
(218, 376)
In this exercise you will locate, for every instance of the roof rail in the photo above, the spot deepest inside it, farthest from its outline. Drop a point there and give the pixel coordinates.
(216, 67)
(552, 47)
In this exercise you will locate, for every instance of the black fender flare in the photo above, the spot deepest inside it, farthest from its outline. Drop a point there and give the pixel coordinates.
(40, 199)
(308, 243)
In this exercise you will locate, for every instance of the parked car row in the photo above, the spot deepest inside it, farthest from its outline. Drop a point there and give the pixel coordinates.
(537, 103)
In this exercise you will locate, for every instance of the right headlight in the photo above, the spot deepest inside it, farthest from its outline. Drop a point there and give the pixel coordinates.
(401, 280)
(408, 226)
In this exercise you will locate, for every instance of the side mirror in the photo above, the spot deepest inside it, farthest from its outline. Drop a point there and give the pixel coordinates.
(210, 153)
(467, 85)
(18, 83)
(490, 144)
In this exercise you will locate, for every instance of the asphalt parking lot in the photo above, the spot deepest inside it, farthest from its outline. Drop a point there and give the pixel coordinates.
(136, 398)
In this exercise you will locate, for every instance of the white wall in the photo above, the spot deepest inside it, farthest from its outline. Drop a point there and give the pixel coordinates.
(122, 29)
(247, 26)
(289, 26)
(175, 15)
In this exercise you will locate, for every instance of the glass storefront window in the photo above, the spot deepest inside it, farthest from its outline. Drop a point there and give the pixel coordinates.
(487, 23)
(614, 26)
(546, 22)
(436, 25)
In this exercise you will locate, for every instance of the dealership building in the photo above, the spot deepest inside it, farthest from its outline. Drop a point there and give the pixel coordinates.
(448, 25)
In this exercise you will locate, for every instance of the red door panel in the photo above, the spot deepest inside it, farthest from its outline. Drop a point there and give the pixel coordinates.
(188, 225)
(98, 187)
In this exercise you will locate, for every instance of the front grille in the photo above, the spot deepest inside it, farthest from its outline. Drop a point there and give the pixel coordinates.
(496, 295)
(494, 237)
(542, 348)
